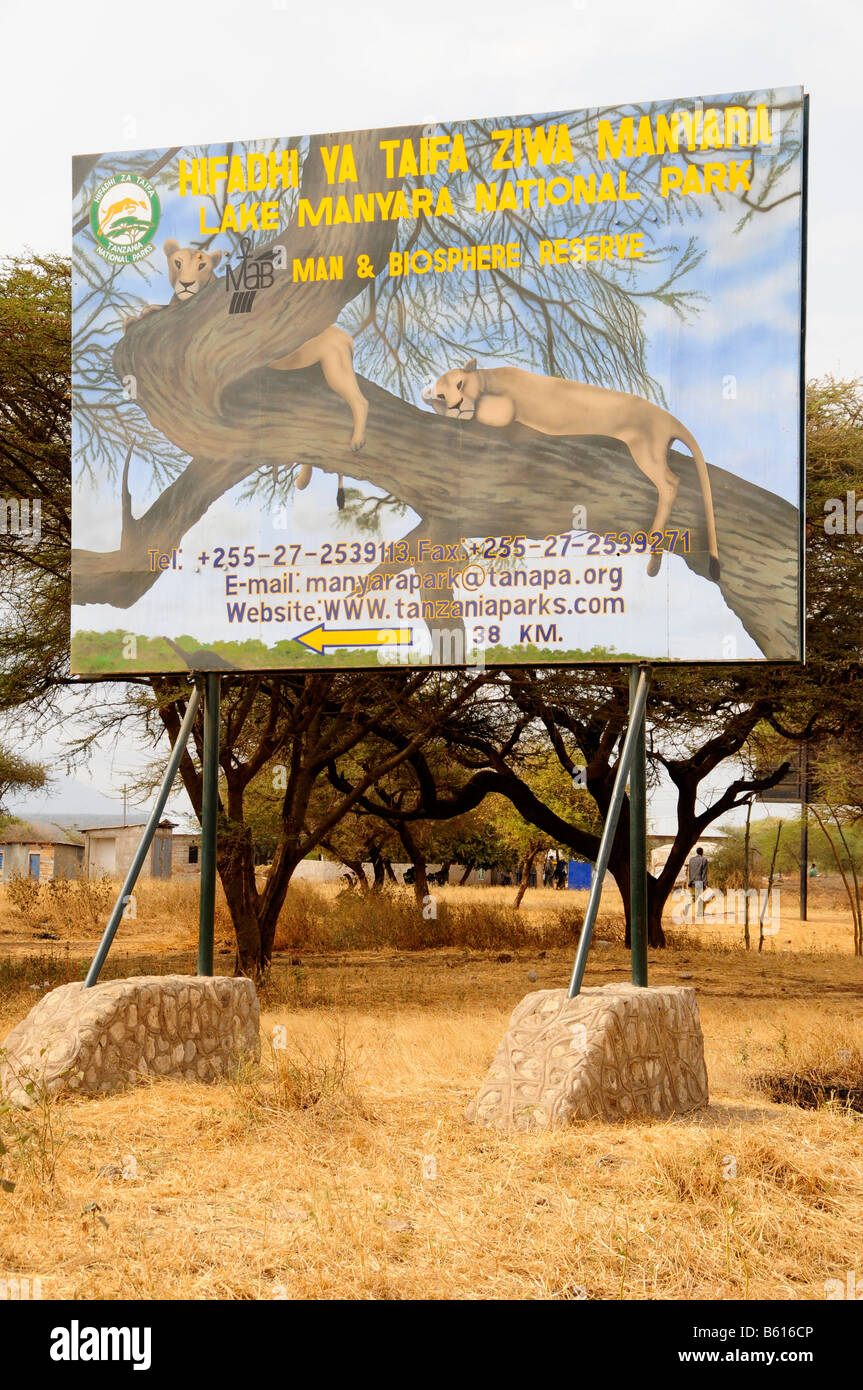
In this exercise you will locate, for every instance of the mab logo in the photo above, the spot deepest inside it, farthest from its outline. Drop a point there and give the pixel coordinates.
(254, 273)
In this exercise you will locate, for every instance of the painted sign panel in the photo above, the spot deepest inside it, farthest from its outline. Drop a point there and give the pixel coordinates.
(522, 389)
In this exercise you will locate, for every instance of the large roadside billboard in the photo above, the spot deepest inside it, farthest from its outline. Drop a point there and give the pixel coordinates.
(521, 389)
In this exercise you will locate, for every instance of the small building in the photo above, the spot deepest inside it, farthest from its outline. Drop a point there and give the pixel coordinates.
(186, 854)
(110, 849)
(660, 845)
(39, 849)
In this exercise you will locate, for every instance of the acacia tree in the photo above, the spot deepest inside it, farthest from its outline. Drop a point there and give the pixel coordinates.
(697, 723)
(299, 729)
(35, 431)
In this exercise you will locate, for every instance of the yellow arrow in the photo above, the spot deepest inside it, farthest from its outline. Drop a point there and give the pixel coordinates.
(319, 637)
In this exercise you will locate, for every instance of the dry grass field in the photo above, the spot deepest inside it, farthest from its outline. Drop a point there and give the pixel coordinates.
(342, 1168)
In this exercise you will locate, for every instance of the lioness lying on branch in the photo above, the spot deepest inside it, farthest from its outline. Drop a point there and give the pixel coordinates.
(502, 395)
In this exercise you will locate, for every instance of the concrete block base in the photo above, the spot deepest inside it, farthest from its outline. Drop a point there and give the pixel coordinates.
(611, 1053)
(121, 1032)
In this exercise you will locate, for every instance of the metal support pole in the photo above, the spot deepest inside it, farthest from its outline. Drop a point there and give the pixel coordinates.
(638, 838)
(804, 834)
(146, 839)
(209, 823)
(636, 715)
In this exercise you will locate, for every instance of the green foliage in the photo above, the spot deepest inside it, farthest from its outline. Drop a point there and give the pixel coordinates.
(34, 467)
(18, 774)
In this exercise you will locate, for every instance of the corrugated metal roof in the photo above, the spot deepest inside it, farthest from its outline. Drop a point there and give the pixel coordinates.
(132, 825)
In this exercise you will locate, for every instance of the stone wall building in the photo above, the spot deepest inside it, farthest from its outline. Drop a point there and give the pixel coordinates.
(39, 849)
(186, 854)
(109, 850)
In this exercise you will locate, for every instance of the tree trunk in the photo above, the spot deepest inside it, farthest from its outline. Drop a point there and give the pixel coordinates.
(769, 890)
(655, 904)
(235, 860)
(525, 877)
(466, 875)
(356, 867)
(420, 884)
(377, 870)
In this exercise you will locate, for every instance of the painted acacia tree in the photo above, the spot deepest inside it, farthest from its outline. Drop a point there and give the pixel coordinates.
(201, 383)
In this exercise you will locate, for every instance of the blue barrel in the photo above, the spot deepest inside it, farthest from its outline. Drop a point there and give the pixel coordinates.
(580, 875)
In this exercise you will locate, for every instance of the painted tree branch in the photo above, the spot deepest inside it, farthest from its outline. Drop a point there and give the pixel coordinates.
(464, 479)
(185, 359)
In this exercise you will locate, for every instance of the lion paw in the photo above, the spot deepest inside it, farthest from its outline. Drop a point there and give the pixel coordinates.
(357, 444)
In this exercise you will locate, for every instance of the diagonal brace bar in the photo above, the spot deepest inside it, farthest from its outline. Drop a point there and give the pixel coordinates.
(636, 715)
(146, 839)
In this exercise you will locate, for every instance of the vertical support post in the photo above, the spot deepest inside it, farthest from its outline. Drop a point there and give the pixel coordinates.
(804, 833)
(609, 830)
(638, 838)
(209, 823)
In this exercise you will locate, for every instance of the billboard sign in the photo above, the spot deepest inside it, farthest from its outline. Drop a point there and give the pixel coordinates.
(520, 389)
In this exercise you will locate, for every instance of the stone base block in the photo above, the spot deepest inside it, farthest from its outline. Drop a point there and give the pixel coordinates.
(613, 1052)
(123, 1031)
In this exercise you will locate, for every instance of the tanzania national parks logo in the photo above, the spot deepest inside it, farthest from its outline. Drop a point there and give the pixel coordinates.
(124, 215)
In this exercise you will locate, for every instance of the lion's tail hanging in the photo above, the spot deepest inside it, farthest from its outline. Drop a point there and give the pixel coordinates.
(682, 433)
(340, 494)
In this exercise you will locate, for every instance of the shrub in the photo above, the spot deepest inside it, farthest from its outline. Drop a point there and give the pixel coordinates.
(24, 895)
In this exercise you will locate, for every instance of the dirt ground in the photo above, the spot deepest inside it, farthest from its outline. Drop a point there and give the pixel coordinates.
(343, 1168)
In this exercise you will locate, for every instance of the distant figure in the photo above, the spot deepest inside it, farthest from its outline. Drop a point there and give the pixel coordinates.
(697, 875)
(813, 871)
(560, 875)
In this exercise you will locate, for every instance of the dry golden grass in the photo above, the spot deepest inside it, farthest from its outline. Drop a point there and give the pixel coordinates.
(342, 1168)
(322, 918)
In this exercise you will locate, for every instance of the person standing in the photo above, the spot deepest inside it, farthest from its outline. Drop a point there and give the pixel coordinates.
(697, 873)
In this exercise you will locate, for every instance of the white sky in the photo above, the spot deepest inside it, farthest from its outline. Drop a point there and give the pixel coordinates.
(102, 76)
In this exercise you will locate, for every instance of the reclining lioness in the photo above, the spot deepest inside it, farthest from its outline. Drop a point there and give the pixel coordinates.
(552, 405)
